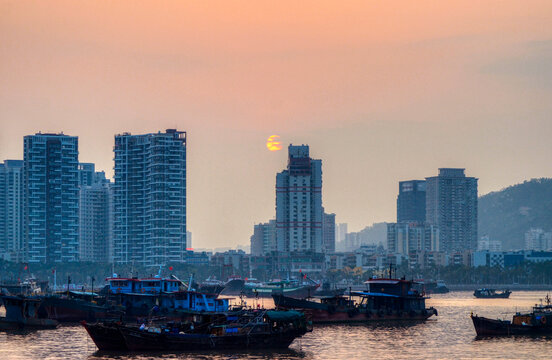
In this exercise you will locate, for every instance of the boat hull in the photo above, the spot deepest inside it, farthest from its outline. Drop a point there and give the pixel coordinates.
(139, 340)
(6, 324)
(301, 292)
(107, 337)
(491, 327)
(496, 296)
(326, 314)
(325, 317)
(71, 310)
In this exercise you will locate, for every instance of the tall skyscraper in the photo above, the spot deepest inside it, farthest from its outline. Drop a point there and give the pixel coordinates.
(51, 194)
(149, 196)
(299, 203)
(411, 202)
(95, 212)
(451, 204)
(11, 210)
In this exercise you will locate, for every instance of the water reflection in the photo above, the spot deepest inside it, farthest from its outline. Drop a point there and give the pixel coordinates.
(447, 336)
(211, 355)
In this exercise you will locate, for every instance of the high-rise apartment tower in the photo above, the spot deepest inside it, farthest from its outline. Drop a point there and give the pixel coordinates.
(51, 198)
(11, 210)
(411, 202)
(149, 195)
(299, 209)
(451, 204)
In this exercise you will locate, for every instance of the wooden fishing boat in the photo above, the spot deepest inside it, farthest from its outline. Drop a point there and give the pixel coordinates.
(263, 329)
(491, 294)
(386, 299)
(22, 313)
(536, 322)
(106, 335)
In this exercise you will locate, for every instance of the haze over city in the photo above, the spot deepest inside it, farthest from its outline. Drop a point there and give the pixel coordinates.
(380, 92)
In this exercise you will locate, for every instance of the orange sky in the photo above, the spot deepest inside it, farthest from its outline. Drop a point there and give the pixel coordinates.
(381, 91)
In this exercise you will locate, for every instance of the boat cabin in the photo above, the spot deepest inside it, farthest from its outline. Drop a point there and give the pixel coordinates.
(195, 301)
(396, 287)
(153, 285)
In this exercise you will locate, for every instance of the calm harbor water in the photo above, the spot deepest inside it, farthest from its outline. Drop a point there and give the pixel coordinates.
(448, 336)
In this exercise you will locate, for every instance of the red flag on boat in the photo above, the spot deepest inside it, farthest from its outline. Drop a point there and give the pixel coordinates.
(170, 268)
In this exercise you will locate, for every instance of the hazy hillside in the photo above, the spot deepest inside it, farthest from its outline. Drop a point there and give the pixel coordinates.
(509, 213)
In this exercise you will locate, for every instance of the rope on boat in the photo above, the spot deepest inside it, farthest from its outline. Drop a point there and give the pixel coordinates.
(255, 318)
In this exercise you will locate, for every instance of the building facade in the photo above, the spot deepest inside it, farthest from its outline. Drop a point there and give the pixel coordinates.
(51, 194)
(451, 205)
(95, 212)
(411, 201)
(263, 240)
(488, 244)
(538, 239)
(299, 210)
(328, 232)
(11, 210)
(406, 238)
(149, 194)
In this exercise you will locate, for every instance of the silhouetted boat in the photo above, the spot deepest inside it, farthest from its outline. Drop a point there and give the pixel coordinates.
(538, 321)
(106, 335)
(326, 290)
(386, 299)
(491, 294)
(290, 288)
(436, 287)
(75, 306)
(211, 286)
(265, 329)
(22, 312)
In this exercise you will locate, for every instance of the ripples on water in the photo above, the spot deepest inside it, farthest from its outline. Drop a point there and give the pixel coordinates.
(448, 336)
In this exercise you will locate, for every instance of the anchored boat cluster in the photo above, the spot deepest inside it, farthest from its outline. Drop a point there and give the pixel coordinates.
(141, 314)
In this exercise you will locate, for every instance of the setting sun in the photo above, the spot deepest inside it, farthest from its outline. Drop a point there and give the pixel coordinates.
(273, 143)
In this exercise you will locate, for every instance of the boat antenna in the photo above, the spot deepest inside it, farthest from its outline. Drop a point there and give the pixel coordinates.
(190, 282)
(176, 278)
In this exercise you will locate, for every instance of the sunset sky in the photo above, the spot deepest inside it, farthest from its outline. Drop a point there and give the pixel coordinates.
(382, 91)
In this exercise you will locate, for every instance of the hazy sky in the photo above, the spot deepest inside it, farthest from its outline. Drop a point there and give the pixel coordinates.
(382, 91)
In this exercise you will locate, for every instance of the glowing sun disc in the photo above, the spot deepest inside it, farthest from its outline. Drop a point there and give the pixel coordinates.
(273, 143)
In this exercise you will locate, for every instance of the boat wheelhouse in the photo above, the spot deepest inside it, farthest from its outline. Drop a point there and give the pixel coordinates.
(142, 297)
(153, 285)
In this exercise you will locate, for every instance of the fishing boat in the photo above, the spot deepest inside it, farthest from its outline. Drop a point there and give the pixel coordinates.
(536, 322)
(491, 294)
(75, 306)
(29, 286)
(291, 288)
(211, 286)
(22, 313)
(326, 290)
(106, 335)
(266, 329)
(385, 299)
(435, 287)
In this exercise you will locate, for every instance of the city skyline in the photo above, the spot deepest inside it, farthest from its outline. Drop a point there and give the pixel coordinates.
(397, 99)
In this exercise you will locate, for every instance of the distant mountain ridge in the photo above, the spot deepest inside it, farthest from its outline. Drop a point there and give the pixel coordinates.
(507, 214)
